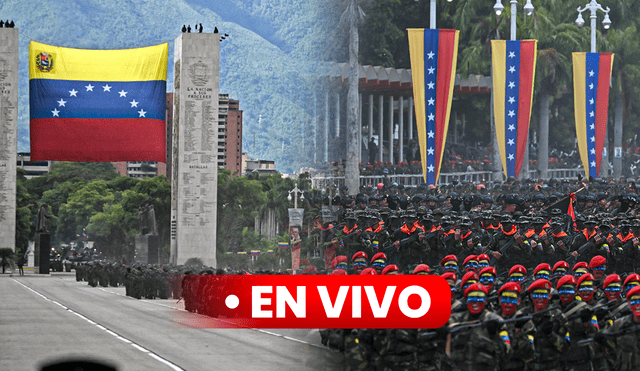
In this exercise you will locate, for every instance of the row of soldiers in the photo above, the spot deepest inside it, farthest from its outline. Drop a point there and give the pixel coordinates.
(558, 317)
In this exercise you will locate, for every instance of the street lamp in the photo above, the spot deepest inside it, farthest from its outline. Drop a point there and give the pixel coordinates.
(528, 9)
(432, 13)
(593, 6)
(295, 192)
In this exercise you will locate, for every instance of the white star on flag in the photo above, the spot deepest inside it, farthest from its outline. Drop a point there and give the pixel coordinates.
(430, 168)
(430, 151)
(55, 112)
(510, 157)
(592, 151)
(431, 85)
(510, 142)
(134, 103)
(431, 101)
(62, 102)
(89, 87)
(512, 84)
(512, 99)
(593, 164)
(73, 93)
(512, 127)
(431, 70)
(512, 54)
(591, 114)
(431, 54)
(431, 117)
(142, 112)
(511, 113)
(591, 73)
(591, 86)
(512, 69)
(106, 88)
(593, 139)
(591, 101)
(431, 134)
(123, 93)
(592, 126)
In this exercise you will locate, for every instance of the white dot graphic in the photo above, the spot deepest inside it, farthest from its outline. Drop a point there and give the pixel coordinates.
(232, 301)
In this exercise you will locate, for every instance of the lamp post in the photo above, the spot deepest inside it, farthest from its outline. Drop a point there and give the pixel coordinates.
(528, 9)
(295, 191)
(432, 13)
(593, 6)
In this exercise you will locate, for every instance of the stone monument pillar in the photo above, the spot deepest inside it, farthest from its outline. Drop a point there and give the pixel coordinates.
(195, 154)
(8, 134)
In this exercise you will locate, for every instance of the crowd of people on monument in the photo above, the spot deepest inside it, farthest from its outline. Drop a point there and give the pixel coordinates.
(542, 274)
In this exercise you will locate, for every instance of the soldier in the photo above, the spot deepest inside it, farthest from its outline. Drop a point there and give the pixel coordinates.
(449, 264)
(588, 235)
(520, 332)
(359, 262)
(623, 335)
(560, 269)
(516, 251)
(378, 262)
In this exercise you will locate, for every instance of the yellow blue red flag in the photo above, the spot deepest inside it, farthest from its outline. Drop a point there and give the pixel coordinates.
(97, 105)
(434, 56)
(591, 79)
(514, 67)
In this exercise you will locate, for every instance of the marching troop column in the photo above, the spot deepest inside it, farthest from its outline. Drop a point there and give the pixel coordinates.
(8, 134)
(195, 149)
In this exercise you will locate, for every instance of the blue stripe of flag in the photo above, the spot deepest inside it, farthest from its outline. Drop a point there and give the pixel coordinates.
(72, 99)
(512, 89)
(592, 61)
(431, 39)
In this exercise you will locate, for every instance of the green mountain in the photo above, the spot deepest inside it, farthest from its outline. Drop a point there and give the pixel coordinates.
(269, 62)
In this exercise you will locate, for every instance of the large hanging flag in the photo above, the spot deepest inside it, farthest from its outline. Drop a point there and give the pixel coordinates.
(591, 79)
(434, 55)
(98, 105)
(514, 67)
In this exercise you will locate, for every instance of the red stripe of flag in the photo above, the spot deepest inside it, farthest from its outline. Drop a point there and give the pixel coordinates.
(527, 60)
(446, 46)
(602, 104)
(108, 139)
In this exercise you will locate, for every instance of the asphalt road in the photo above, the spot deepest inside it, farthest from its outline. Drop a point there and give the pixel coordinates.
(44, 319)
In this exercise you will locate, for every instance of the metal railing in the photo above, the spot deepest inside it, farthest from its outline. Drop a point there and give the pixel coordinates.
(413, 180)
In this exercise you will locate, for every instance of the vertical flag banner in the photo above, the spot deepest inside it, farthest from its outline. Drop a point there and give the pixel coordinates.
(97, 105)
(591, 80)
(514, 68)
(434, 55)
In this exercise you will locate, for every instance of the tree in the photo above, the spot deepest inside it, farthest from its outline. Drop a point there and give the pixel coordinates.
(81, 205)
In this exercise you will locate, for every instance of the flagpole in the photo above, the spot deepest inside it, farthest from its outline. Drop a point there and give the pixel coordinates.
(593, 7)
(432, 13)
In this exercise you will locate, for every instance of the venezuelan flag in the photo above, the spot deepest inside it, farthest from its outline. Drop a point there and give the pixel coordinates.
(98, 105)
(514, 67)
(591, 79)
(434, 56)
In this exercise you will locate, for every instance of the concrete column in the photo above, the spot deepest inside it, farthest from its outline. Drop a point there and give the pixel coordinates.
(454, 125)
(326, 128)
(617, 138)
(195, 148)
(391, 129)
(543, 143)
(337, 118)
(370, 118)
(360, 128)
(401, 129)
(8, 135)
(380, 127)
(315, 128)
(411, 117)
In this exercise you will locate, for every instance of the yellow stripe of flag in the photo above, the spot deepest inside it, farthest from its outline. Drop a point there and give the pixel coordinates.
(140, 64)
(498, 57)
(579, 89)
(416, 50)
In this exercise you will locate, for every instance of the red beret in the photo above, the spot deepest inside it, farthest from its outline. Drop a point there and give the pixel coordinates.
(585, 277)
(337, 260)
(518, 269)
(470, 257)
(368, 272)
(610, 279)
(339, 272)
(541, 267)
(540, 284)
(510, 286)
(597, 261)
(447, 258)
(359, 254)
(580, 265)
(633, 291)
(483, 257)
(566, 280)
(477, 287)
(468, 276)
(379, 255)
(632, 277)
(449, 276)
(559, 264)
(491, 270)
(390, 268)
(422, 268)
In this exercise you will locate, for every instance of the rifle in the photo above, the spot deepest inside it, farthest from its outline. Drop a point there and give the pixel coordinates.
(582, 249)
(627, 330)
(503, 250)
